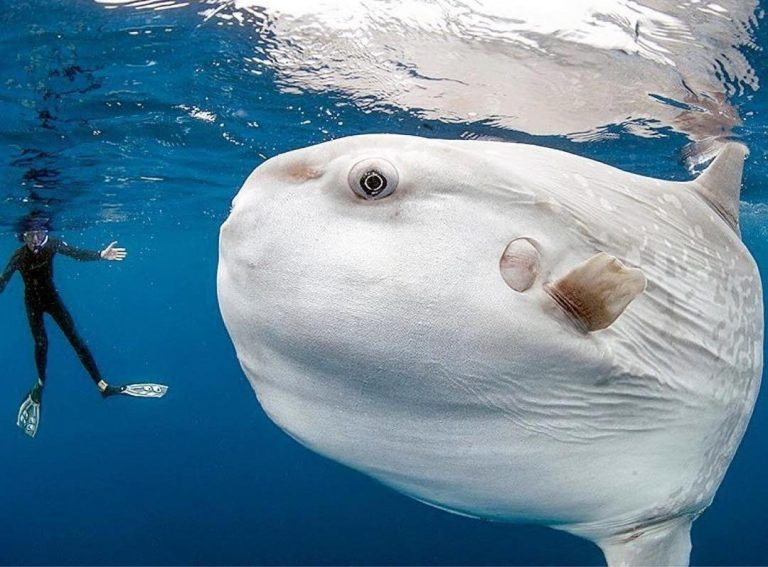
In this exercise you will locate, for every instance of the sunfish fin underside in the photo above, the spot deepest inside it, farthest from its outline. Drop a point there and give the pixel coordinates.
(597, 291)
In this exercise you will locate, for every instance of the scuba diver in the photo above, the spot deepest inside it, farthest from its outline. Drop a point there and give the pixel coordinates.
(34, 261)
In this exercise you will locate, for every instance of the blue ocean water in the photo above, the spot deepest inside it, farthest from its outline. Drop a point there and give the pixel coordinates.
(139, 126)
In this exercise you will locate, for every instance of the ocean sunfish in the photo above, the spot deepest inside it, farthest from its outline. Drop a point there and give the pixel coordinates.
(501, 330)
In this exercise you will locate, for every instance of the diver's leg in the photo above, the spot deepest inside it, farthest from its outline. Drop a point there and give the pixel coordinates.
(62, 317)
(28, 418)
(37, 326)
(64, 320)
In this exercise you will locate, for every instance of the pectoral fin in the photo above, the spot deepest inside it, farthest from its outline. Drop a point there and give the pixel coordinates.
(597, 291)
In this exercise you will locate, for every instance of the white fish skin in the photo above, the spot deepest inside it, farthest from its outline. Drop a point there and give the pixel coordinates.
(382, 333)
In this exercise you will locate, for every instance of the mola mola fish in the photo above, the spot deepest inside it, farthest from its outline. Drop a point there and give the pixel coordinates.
(504, 331)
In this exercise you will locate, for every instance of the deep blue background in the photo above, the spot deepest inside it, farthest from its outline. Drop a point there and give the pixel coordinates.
(97, 133)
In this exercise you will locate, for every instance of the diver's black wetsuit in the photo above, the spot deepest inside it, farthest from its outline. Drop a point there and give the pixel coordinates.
(40, 296)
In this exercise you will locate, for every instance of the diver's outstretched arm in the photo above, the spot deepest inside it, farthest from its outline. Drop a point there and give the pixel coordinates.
(109, 253)
(12, 266)
(76, 253)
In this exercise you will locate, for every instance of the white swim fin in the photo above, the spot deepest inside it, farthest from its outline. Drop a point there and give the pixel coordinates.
(29, 416)
(144, 390)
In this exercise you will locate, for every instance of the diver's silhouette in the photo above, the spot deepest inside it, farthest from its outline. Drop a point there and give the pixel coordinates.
(34, 261)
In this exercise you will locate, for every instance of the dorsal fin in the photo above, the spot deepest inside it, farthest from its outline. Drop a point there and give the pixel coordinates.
(720, 183)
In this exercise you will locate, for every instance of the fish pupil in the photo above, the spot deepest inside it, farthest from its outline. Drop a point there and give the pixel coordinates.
(373, 183)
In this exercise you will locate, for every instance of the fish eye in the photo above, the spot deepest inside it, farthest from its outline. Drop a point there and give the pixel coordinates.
(373, 179)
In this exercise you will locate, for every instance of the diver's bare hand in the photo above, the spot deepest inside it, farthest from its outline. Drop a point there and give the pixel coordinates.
(112, 253)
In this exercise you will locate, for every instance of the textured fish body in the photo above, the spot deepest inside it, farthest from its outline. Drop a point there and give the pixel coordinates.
(382, 333)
